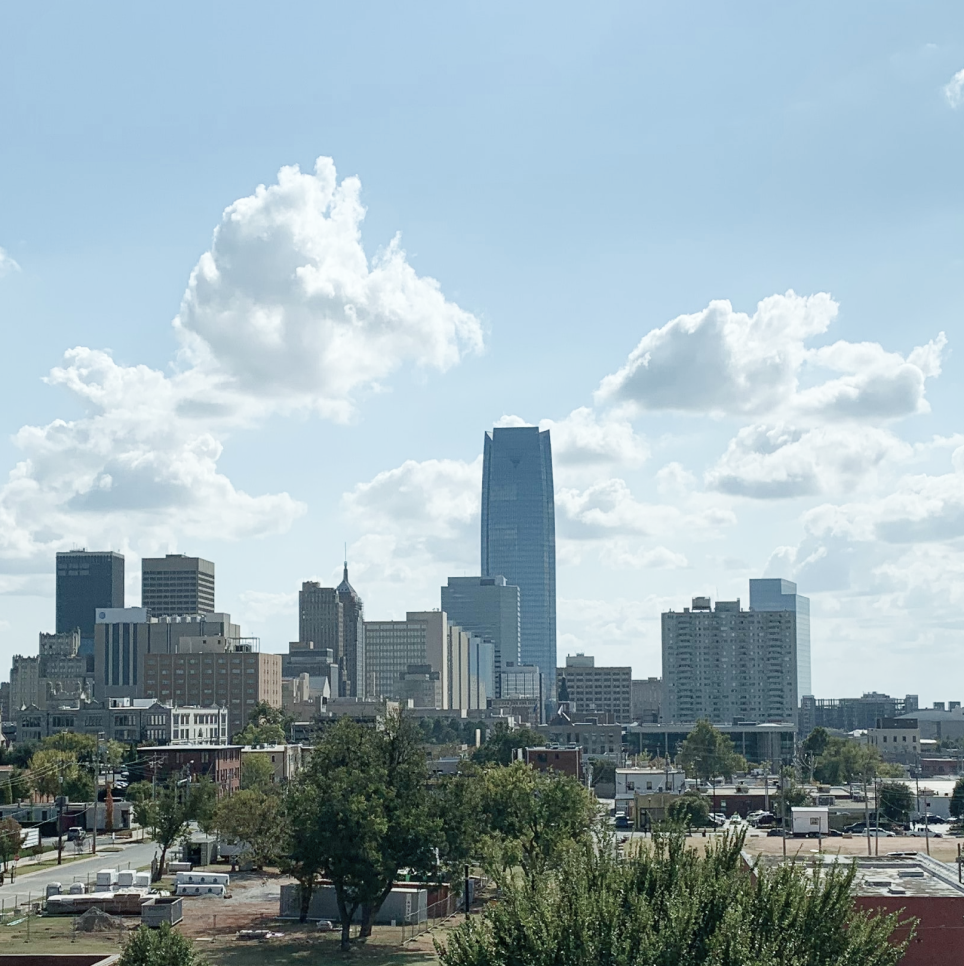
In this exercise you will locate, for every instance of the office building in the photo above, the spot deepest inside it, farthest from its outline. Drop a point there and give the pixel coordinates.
(87, 580)
(521, 681)
(352, 660)
(490, 608)
(481, 670)
(216, 671)
(772, 743)
(125, 636)
(726, 664)
(315, 661)
(391, 647)
(645, 696)
(176, 584)
(597, 691)
(774, 594)
(519, 536)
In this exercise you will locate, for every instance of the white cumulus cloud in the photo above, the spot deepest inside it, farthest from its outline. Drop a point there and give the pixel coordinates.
(954, 89)
(7, 264)
(286, 304)
(284, 312)
(723, 362)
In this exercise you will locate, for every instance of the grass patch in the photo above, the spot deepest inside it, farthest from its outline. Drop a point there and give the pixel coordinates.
(318, 949)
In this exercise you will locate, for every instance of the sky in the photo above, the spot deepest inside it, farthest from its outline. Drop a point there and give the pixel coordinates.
(269, 272)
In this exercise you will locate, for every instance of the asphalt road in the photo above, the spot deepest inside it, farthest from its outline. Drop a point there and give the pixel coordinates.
(31, 884)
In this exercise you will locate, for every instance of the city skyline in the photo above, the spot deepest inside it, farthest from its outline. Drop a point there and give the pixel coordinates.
(283, 323)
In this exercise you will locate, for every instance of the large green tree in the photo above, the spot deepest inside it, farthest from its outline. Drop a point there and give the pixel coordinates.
(845, 761)
(896, 801)
(707, 753)
(669, 905)
(370, 813)
(171, 808)
(691, 810)
(266, 725)
(527, 817)
(257, 772)
(502, 745)
(254, 819)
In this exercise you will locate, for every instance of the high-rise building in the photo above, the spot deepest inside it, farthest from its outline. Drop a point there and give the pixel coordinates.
(488, 607)
(87, 580)
(605, 691)
(352, 663)
(175, 585)
(519, 534)
(124, 638)
(729, 665)
(775, 594)
(392, 647)
(321, 619)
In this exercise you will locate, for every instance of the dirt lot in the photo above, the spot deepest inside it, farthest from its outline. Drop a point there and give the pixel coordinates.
(214, 923)
(943, 849)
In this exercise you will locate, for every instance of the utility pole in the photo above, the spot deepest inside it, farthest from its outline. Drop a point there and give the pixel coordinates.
(60, 804)
(866, 816)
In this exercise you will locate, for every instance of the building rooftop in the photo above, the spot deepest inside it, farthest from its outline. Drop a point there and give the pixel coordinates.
(189, 747)
(895, 874)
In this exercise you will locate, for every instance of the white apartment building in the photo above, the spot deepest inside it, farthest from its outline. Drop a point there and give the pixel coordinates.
(727, 664)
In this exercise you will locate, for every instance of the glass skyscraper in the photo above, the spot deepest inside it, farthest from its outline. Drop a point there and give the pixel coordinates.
(87, 580)
(776, 594)
(519, 534)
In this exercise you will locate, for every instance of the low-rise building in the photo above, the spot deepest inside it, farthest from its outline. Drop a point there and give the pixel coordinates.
(220, 763)
(597, 740)
(127, 720)
(597, 691)
(567, 761)
(286, 760)
(913, 885)
(897, 739)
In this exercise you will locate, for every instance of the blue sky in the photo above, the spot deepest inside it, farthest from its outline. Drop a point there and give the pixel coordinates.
(574, 180)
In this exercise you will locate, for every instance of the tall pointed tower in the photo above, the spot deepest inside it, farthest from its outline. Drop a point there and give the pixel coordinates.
(353, 661)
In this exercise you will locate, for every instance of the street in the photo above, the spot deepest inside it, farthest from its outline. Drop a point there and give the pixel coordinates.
(34, 884)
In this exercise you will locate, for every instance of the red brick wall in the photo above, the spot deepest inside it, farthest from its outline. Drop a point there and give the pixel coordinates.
(940, 933)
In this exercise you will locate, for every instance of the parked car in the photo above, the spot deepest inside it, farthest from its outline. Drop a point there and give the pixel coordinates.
(76, 833)
(778, 833)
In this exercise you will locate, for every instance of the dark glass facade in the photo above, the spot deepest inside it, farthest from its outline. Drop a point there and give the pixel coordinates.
(519, 534)
(353, 637)
(86, 581)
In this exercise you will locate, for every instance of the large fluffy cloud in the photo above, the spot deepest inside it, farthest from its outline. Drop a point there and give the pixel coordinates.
(285, 311)
(287, 305)
(723, 362)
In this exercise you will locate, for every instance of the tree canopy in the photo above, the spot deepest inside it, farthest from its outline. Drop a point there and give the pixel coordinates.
(896, 801)
(707, 753)
(159, 947)
(669, 904)
(266, 725)
(502, 744)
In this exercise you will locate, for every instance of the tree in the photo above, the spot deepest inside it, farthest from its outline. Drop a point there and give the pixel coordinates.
(690, 809)
(501, 746)
(255, 820)
(895, 802)
(304, 852)
(370, 813)
(10, 839)
(671, 904)
(816, 742)
(790, 794)
(257, 772)
(54, 772)
(529, 817)
(175, 805)
(266, 725)
(159, 947)
(707, 753)
(844, 761)
(957, 799)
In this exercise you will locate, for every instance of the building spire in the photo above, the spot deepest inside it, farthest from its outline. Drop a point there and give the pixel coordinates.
(345, 575)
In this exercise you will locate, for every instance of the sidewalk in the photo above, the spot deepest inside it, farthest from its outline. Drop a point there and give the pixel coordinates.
(70, 854)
